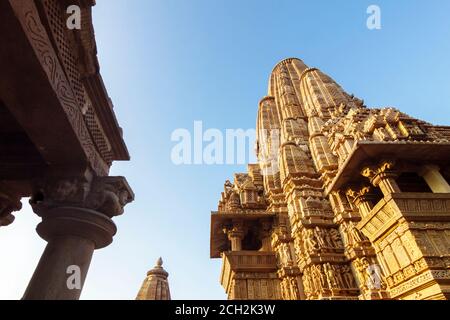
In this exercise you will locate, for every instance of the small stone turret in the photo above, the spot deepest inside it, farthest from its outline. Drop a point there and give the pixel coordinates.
(156, 285)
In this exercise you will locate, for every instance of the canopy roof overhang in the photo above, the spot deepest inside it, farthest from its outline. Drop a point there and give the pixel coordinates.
(219, 239)
(367, 152)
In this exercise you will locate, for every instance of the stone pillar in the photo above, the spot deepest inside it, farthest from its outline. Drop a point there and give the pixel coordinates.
(76, 219)
(235, 234)
(363, 198)
(72, 235)
(383, 176)
(8, 204)
(434, 179)
(265, 234)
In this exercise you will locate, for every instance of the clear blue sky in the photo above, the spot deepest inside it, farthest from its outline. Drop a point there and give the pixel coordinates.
(167, 63)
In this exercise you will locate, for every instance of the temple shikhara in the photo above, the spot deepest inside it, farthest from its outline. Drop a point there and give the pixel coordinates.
(155, 285)
(58, 139)
(346, 202)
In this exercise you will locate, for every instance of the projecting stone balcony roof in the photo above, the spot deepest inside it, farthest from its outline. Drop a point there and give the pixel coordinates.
(51, 86)
(372, 151)
(218, 238)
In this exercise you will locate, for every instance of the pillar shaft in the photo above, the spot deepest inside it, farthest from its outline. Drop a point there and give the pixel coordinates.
(76, 217)
(364, 206)
(236, 240)
(388, 185)
(72, 235)
(434, 179)
(55, 277)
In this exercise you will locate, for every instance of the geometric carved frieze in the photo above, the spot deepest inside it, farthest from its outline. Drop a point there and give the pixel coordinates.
(28, 16)
(422, 279)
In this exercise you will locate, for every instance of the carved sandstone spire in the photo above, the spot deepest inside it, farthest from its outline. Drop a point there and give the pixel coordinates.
(156, 285)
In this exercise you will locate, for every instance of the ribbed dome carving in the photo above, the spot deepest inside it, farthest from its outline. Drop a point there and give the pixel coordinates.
(155, 285)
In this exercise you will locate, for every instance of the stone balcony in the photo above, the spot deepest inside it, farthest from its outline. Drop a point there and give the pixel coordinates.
(410, 233)
(413, 207)
(247, 264)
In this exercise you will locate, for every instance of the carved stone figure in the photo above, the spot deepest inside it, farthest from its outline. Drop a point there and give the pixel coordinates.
(310, 240)
(336, 238)
(347, 275)
(332, 276)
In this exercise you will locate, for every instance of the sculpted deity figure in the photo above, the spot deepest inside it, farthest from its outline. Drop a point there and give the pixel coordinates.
(331, 276)
(319, 234)
(307, 283)
(322, 276)
(361, 273)
(310, 240)
(323, 238)
(336, 238)
(285, 254)
(347, 276)
(295, 293)
(317, 277)
(346, 236)
(288, 253)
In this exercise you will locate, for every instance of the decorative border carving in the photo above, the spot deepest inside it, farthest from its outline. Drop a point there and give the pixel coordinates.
(28, 16)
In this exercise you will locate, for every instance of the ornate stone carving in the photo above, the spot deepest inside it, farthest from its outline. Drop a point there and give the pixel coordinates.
(107, 195)
(383, 176)
(29, 17)
(8, 204)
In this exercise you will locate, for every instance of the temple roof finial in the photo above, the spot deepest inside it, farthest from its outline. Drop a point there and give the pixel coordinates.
(155, 285)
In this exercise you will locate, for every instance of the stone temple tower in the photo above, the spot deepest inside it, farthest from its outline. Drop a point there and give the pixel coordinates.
(155, 285)
(346, 202)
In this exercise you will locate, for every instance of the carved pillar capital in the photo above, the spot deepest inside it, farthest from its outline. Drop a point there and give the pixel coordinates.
(107, 195)
(363, 197)
(266, 227)
(8, 205)
(76, 217)
(265, 234)
(235, 232)
(383, 176)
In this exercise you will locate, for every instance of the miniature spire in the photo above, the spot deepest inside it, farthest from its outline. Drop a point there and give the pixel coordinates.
(156, 285)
